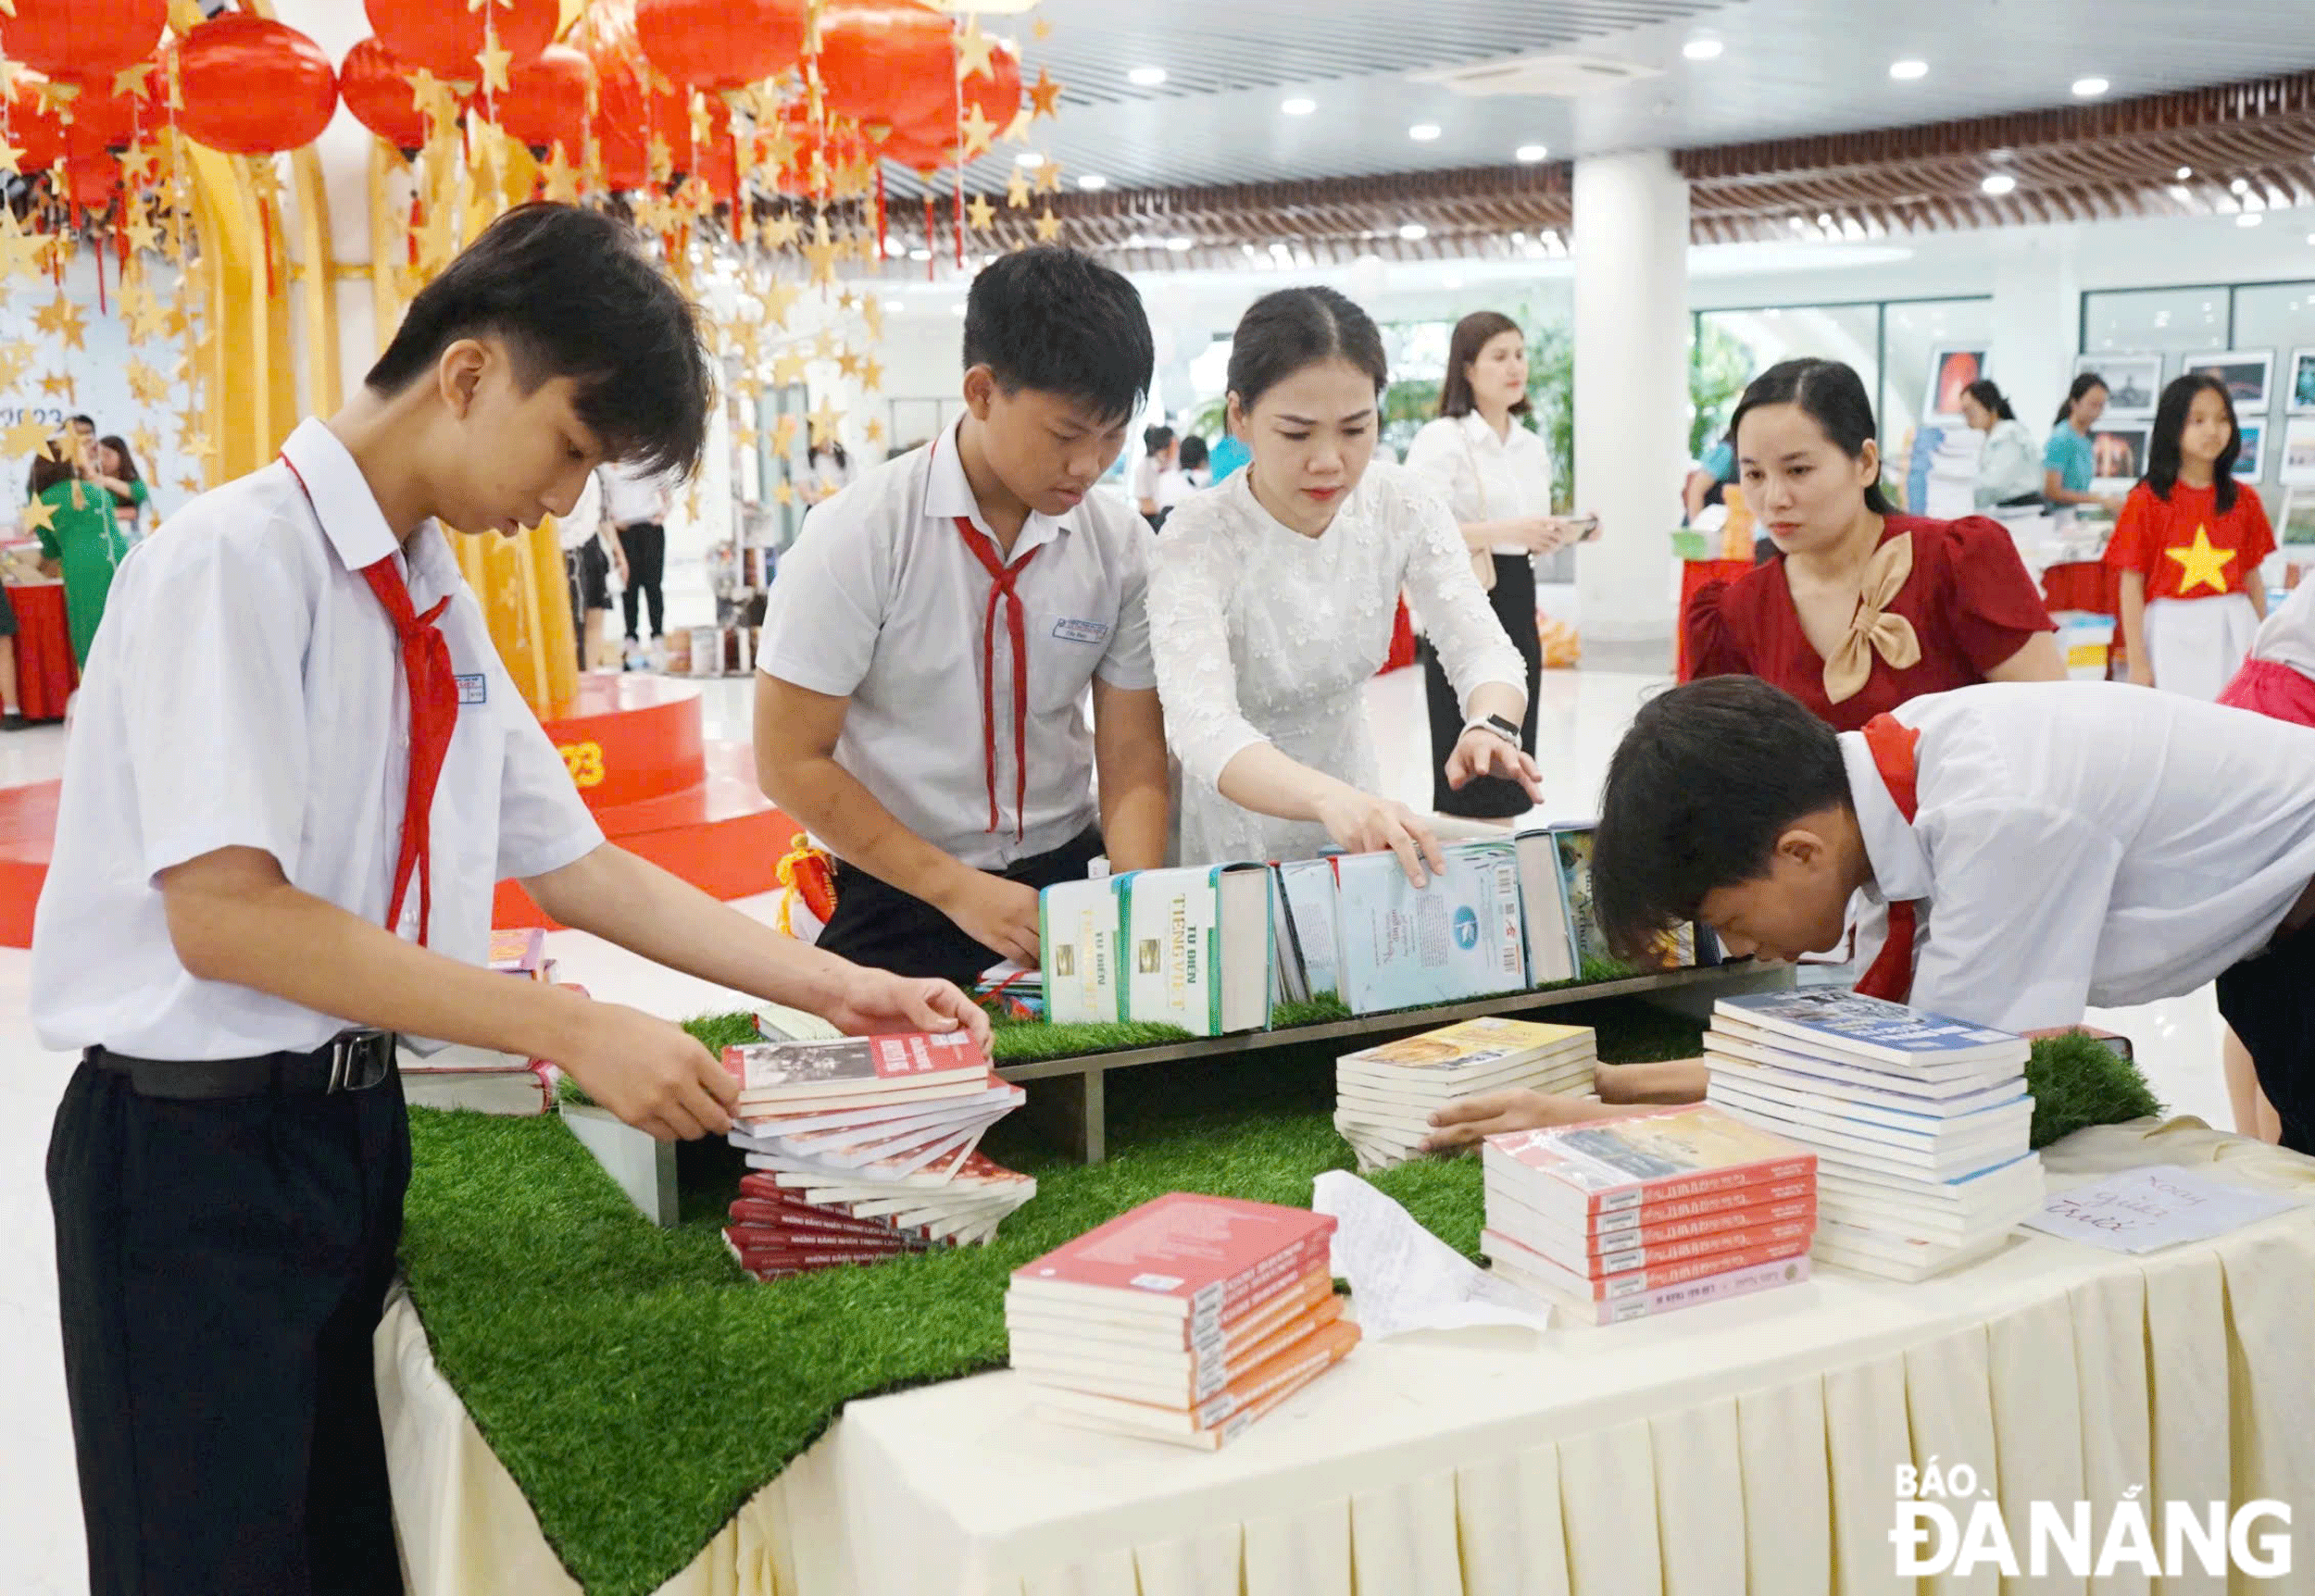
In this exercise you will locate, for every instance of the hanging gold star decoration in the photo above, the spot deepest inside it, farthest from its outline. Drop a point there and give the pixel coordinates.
(782, 495)
(847, 300)
(142, 235)
(430, 96)
(662, 161)
(981, 213)
(494, 58)
(824, 422)
(558, 180)
(39, 516)
(197, 444)
(56, 97)
(824, 346)
(136, 81)
(1048, 226)
(973, 49)
(874, 431)
(1049, 177)
(15, 360)
(783, 433)
(1045, 96)
(783, 230)
(10, 73)
(147, 444)
(183, 17)
(146, 316)
(146, 386)
(11, 157)
(1016, 190)
(63, 317)
(788, 368)
(57, 385)
(1016, 130)
(189, 484)
(871, 375)
(873, 313)
(821, 252)
(848, 364)
(779, 300)
(976, 130)
(1041, 29)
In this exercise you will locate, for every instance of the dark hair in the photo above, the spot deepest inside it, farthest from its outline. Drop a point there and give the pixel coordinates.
(1193, 452)
(88, 421)
(2082, 383)
(1984, 392)
(47, 472)
(1829, 394)
(1705, 780)
(2170, 425)
(1157, 439)
(570, 293)
(1472, 334)
(1292, 327)
(832, 449)
(119, 445)
(1057, 321)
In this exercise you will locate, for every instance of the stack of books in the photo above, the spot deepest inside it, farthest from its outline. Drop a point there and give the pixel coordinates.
(1012, 991)
(480, 1078)
(1183, 1320)
(521, 953)
(883, 1129)
(1920, 1124)
(1616, 1219)
(1384, 1096)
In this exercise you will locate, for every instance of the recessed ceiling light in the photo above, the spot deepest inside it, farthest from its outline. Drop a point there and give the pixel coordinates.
(2249, 218)
(1030, 159)
(1423, 132)
(1998, 184)
(2240, 186)
(2090, 88)
(2185, 172)
(1529, 154)
(920, 255)
(893, 246)
(894, 306)
(1702, 49)
(1298, 106)
(1453, 281)
(1146, 77)
(1092, 180)
(1413, 230)
(1178, 244)
(1906, 72)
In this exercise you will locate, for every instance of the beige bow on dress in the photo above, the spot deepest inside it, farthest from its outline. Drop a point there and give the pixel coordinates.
(1870, 630)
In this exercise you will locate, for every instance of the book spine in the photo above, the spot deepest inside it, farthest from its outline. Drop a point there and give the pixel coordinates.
(1638, 1282)
(1281, 1374)
(1661, 1231)
(1716, 1288)
(1224, 1301)
(1640, 1216)
(1675, 1188)
(1611, 1269)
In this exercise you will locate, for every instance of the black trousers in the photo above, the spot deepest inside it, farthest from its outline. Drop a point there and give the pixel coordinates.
(878, 925)
(1490, 797)
(220, 1268)
(2268, 999)
(645, 544)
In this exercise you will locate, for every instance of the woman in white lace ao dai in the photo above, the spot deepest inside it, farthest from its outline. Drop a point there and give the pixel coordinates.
(1272, 598)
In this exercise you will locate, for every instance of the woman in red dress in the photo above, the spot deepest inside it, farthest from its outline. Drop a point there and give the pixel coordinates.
(1861, 608)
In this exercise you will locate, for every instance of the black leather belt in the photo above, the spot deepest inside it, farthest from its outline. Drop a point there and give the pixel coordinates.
(351, 1061)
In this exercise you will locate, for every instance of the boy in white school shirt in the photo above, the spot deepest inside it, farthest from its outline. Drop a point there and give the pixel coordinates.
(2041, 846)
(928, 645)
(298, 769)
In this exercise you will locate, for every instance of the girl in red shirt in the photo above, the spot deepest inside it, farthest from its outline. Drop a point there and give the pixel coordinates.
(2187, 547)
(1861, 608)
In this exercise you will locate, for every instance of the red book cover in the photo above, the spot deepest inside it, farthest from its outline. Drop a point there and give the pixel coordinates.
(753, 1238)
(810, 1232)
(792, 1069)
(1209, 1257)
(1596, 1165)
(758, 1211)
(1635, 1260)
(1495, 1243)
(754, 1258)
(1746, 1196)
(1514, 1217)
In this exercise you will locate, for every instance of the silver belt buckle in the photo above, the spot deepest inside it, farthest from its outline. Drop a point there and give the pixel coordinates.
(358, 1059)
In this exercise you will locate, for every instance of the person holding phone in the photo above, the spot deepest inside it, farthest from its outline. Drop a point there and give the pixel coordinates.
(1494, 472)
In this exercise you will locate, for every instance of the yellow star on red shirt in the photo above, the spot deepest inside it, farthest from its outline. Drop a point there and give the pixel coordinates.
(2200, 565)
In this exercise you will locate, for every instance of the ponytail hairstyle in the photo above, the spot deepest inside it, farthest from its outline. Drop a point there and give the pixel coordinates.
(1986, 394)
(2082, 386)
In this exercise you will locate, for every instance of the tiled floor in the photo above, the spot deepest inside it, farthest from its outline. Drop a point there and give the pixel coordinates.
(1581, 716)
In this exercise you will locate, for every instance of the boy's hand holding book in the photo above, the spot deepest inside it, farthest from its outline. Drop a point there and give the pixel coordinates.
(998, 914)
(1476, 1118)
(652, 1075)
(877, 1003)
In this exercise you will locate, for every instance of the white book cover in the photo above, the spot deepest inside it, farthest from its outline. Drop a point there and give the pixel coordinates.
(1735, 1033)
(2014, 1112)
(1307, 886)
(1198, 947)
(1870, 1027)
(1079, 933)
(1458, 936)
(1800, 1072)
(1972, 1193)
(1811, 1131)
(1544, 903)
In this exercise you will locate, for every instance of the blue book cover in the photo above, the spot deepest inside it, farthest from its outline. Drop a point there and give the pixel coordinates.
(1848, 1022)
(1459, 937)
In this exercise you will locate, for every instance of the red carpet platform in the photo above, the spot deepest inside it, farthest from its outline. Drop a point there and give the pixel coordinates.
(635, 746)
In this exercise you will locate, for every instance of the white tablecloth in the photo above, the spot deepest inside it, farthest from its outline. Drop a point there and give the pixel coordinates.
(1749, 1445)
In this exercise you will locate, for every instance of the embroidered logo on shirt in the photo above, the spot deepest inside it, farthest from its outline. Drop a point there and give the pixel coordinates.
(1081, 630)
(474, 689)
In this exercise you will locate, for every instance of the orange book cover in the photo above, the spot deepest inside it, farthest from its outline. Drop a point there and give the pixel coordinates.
(1202, 1257)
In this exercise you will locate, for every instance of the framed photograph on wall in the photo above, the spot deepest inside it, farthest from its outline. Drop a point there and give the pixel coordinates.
(1952, 367)
(2250, 465)
(2119, 454)
(2295, 527)
(2300, 395)
(2133, 382)
(2299, 453)
(2247, 372)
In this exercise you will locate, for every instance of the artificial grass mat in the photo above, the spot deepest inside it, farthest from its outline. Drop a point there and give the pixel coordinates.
(640, 1388)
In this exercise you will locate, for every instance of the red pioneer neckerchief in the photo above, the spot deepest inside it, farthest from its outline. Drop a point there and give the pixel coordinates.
(1893, 749)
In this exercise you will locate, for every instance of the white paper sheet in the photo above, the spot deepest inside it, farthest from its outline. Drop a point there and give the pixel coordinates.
(2147, 1209)
(1402, 1278)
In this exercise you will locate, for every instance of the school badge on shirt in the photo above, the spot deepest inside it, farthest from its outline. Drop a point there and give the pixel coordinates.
(1095, 631)
(474, 689)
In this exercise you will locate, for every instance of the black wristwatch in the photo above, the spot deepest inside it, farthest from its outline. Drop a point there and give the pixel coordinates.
(1501, 727)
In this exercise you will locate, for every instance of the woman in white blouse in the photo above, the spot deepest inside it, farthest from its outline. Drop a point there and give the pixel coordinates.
(1272, 598)
(1495, 475)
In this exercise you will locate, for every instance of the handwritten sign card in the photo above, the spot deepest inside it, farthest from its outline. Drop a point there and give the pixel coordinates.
(2147, 1209)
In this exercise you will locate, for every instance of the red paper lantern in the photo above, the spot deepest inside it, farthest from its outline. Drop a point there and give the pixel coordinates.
(444, 36)
(80, 38)
(887, 60)
(997, 95)
(102, 124)
(374, 84)
(718, 44)
(627, 115)
(546, 100)
(38, 136)
(253, 86)
(717, 160)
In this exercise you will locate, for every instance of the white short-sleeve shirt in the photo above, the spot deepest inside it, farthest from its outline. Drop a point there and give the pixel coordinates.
(1481, 477)
(632, 495)
(2085, 843)
(246, 690)
(881, 601)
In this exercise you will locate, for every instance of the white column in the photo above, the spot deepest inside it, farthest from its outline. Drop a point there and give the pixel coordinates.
(2037, 319)
(1630, 238)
